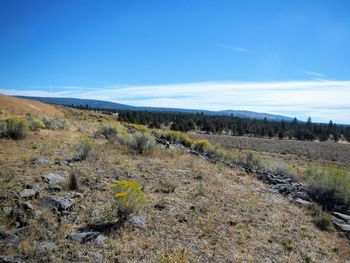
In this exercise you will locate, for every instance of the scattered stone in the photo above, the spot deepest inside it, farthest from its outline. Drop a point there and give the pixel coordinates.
(58, 202)
(8, 239)
(95, 256)
(75, 194)
(136, 221)
(45, 247)
(37, 214)
(10, 259)
(52, 178)
(100, 239)
(302, 202)
(342, 216)
(41, 161)
(27, 206)
(20, 218)
(53, 187)
(84, 237)
(27, 193)
(160, 206)
(341, 224)
(7, 210)
(10, 195)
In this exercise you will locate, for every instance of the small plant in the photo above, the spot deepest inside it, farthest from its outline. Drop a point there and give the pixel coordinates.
(54, 124)
(16, 128)
(323, 220)
(142, 143)
(288, 244)
(85, 148)
(129, 198)
(251, 161)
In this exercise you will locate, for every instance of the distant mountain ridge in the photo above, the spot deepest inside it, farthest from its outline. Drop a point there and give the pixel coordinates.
(117, 106)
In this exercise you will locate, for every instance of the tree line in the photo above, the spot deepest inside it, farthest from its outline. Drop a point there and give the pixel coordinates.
(234, 125)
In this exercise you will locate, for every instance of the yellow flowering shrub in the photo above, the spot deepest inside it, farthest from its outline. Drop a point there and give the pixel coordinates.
(176, 137)
(129, 197)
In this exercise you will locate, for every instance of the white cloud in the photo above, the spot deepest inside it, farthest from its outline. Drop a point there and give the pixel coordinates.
(315, 74)
(322, 100)
(233, 48)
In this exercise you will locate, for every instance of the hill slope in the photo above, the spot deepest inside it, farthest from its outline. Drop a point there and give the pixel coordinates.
(20, 106)
(118, 106)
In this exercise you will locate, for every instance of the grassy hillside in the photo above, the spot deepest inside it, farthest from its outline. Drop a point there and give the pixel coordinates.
(193, 210)
(15, 106)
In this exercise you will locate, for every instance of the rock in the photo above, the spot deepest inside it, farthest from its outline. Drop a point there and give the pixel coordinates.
(341, 224)
(44, 247)
(136, 221)
(52, 178)
(27, 193)
(84, 237)
(160, 206)
(10, 259)
(100, 239)
(53, 187)
(302, 202)
(41, 161)
(20, 218)
(342, 216)
(8, 239)
(75, 194)
(95, 256)
(58, 202)
(37, 214)
(7, 210)
(10, 195)
(27, 206)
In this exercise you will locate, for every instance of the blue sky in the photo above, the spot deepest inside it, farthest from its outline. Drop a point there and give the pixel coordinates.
(287, 57)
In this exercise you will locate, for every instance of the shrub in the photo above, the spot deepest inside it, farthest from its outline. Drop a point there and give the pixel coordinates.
(329, 187)
(141, 143)
(251, 161)
(108, 132)
(85, 148)
(35, 124)
(54, 124)
(137, 127)
(3, 129)
(129, 198)
(176, 137)
(16, 127)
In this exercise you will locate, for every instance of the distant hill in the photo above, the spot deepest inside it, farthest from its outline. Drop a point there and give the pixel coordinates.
(117, 106)
(20, 106)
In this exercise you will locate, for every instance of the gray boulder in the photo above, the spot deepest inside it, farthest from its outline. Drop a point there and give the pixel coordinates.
(84, 237)
(53, 187)
(58, 202)
(44, 247)
(41, 161)
(52, 178)
(27, 193)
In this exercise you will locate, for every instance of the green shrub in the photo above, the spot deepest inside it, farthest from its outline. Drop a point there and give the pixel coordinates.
(85, 148)
(329, 187)
(129, 198)
(16, 128)
(142, 143)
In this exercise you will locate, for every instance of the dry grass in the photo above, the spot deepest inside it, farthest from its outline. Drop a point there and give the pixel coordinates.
(195, 211)
(16, 106)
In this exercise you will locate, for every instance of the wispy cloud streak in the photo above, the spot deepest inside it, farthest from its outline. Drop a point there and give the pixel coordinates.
(322, 100)
(233, 48)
